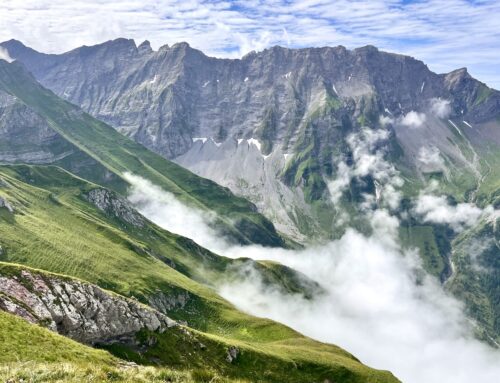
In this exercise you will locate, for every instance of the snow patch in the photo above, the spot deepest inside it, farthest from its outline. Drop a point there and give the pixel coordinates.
(216, 143)
(204, 85)
(350, 76)
(202, 139)
(335, 89)
(422, 87)
(246, 79)
(240, 140)
(466, 123)
(456, 127)
(288, 75)
(253, 141)
(154, 79)
(388, 111)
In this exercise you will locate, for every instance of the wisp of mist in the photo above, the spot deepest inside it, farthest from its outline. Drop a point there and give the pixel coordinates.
(378, 304)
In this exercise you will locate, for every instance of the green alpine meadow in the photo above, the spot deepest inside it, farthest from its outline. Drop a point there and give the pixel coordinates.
(242, 199)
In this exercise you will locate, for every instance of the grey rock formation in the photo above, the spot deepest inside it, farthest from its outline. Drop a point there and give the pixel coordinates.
(166, 98)
(165, 303)
(5, 204)
(79, 310)
(30, 139)
(115, 206)
(232, 354)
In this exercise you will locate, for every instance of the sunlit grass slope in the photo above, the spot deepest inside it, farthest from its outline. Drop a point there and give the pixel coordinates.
(55, 229)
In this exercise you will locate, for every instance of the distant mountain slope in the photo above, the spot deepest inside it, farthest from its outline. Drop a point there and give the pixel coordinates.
(52, 221)
(38, 127)
(273, 125)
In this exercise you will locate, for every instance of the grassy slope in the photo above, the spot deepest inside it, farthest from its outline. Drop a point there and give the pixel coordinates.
(118, 154)
(35, 354)
(55, 229)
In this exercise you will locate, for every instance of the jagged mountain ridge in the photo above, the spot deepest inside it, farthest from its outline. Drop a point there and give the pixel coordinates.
(221, 118)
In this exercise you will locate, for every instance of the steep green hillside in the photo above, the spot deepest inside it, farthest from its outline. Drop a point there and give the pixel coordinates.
(50, 225)
(97, 152)
(30, 352)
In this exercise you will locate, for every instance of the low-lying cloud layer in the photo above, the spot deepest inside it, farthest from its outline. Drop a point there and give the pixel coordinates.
(436, 209)
(379, 304)
(368, 152)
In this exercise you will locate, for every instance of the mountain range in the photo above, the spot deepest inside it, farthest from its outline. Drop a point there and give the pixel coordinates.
(285, 148)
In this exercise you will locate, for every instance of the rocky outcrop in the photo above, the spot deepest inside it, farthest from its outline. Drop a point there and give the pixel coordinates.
(115, 206)
(165, 303)
(232, 354)
(28, 137)
(79, 310)
(5, 204)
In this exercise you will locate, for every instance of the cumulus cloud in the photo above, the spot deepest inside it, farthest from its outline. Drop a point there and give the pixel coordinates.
(368, 157)
(431, 161)
(337, 186)
(436, 209)
(4, 55)
(439, 107)
(413, 119)
(378, 303)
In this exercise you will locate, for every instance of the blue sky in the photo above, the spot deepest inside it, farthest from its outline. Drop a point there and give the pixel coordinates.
(445, 34)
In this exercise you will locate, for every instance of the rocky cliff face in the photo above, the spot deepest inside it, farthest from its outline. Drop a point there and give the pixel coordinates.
(26, 137)
(273, 126)
(113, 205)
(79, 310)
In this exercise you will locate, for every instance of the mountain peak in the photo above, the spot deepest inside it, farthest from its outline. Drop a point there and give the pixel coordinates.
(145, 47)
(13, 42)
(456, 77)
(462, 72)
(181, 45)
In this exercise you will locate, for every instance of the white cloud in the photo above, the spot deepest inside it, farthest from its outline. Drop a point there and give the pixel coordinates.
(4, 55)
(368, 155)
(413, 119)
(441, 108)
(373, 305)
(385, 120)
(431, 161)
(337, 186)
(446, 35)
(175, 216)
(436, 209)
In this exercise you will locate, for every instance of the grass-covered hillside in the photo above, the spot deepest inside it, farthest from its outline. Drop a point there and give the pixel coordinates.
(51, 224)
(89, 148)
